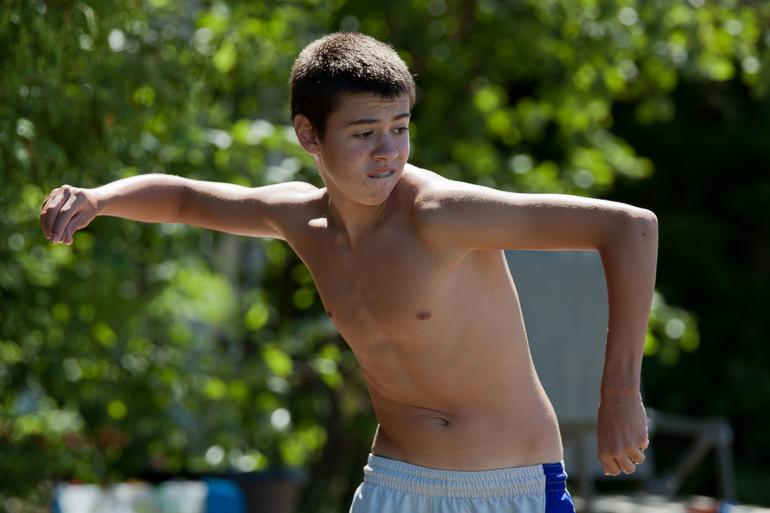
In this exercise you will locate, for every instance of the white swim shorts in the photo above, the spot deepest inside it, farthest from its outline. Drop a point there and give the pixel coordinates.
(393, 486)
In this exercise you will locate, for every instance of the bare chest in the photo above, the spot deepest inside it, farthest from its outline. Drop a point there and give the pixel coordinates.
(384, 288)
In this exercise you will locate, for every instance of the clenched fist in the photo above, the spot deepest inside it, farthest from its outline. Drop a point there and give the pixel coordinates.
(66, 210)
(622, 431)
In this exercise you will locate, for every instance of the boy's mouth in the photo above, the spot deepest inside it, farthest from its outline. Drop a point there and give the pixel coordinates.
(382, 175)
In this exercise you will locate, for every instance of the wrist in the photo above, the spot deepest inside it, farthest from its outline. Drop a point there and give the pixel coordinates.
(622, 369)
(99, 199)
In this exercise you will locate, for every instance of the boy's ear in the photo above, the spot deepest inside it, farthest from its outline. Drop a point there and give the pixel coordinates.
(306, 135)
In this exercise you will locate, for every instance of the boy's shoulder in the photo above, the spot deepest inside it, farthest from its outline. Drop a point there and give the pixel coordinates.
(427, 189)
(434, 202)
(292, 204)
(296, 199)
(451, 214)
(433, 193)
(292, 193)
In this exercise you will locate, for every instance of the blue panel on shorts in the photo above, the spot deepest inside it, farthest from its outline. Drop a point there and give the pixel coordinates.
(557, 498)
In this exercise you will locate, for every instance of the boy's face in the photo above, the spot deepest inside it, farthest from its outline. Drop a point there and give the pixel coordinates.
(364, 149)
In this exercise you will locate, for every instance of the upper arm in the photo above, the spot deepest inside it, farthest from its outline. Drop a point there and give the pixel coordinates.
(469, 217)
(256, 212)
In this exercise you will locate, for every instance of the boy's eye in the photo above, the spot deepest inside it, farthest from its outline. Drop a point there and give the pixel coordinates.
(401, 130)
(364, 135)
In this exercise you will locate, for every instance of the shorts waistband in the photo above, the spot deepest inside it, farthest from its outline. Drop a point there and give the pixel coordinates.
(484, 484)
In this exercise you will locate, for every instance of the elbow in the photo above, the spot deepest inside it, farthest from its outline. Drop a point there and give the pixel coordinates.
(647, 223)
(640, 230)
(633, 228)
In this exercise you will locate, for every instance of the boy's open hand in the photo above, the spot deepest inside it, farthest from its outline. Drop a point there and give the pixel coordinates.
(66, 210)
(622, 431)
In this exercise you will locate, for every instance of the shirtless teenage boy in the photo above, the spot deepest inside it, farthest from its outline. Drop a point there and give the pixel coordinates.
(410, 268)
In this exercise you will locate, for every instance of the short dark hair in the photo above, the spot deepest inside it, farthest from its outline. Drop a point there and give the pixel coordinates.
(345, 62)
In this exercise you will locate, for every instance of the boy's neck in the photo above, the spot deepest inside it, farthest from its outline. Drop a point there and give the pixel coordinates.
(352, 218)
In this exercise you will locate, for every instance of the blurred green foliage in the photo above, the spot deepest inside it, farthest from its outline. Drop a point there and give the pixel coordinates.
(710, 192)
(164, 347)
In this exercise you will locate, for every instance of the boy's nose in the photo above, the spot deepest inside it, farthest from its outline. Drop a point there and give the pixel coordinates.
(386, 150)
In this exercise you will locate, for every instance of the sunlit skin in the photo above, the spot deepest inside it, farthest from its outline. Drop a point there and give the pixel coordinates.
(410, 269)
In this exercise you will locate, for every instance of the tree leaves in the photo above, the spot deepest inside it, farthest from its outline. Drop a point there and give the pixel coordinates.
(201, 337)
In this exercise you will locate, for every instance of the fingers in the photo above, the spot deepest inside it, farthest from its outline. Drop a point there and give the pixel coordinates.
(77, 222)
(626, 462)
(615, 466)
(622, 431)
(62, 220)
(637, 456)
(611, 467)
(50, 209)
(59, 209)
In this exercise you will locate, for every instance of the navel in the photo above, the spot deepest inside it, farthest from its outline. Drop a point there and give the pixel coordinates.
(424, 316)
(441, 421)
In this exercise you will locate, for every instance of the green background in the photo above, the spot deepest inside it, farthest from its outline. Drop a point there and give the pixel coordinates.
(166, 348)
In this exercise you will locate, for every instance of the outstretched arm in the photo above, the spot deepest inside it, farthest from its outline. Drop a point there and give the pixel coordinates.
(469, 218)
(171, 199)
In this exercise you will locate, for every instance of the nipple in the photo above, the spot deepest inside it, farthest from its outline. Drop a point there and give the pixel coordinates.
(423, 316)
(329, 313)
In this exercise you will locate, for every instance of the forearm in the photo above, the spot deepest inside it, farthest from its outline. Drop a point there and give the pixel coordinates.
(629, 258)
(147, 198)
